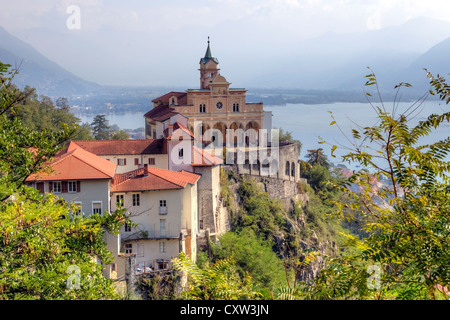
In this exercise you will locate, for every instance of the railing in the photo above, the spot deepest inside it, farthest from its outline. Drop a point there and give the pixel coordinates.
(167, 233)
(162, 210)
(162, 234)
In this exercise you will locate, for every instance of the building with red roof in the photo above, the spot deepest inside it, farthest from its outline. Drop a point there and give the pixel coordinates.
(163, 205)
(78, 176)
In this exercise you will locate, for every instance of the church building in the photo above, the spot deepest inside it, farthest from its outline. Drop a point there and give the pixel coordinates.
(214, 105)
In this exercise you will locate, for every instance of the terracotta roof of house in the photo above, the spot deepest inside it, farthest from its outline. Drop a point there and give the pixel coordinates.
(157, 179)
(122, 147)
(165, 99)
(75, 163)
(161, 113)
(202, 158)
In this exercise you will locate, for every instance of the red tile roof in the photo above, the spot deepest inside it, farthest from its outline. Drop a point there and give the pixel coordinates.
(202, 158)
(122, 147)
(157, 179)
(177, 126)
(161, 113)
(165, 99)
(74, 163)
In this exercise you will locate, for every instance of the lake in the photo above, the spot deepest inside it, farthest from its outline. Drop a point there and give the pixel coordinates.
(309, 122)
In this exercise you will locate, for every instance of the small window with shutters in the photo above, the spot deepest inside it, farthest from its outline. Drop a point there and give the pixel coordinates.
(72, 186)
(151, 161)
(136, 161)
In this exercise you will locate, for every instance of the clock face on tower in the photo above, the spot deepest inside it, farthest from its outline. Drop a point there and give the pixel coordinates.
(219, 105)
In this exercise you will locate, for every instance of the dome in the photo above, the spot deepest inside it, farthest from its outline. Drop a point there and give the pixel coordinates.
(220, 79)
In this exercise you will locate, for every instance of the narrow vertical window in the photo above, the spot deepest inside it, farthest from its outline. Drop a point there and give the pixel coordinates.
(162, 227)
(140, 250)
(119, 200)
(136, 200)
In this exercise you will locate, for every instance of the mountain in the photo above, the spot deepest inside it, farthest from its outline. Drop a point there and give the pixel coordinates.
(340, 61)
(38, 71)
(434, 60)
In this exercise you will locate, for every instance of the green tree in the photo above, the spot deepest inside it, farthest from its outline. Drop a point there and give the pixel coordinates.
(218, 281)
(318, 176)
(284, 136)
(258, 211)
(63, 103)
(120, 135)
(84, 132)
(44, 251)
(23, 149)
(43, 247)
(316, 156)
(407, 221)
(252, 255)
(100, 127)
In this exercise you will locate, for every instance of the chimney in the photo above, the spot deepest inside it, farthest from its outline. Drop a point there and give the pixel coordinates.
(145, 170)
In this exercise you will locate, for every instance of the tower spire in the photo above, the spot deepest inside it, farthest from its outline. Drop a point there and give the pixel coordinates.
(208, 54)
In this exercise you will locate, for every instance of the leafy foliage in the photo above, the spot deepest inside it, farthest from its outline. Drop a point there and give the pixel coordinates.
(100, 127)
(258, 212)
(252, 255)
(40, 241)
(408, 221)
(219, 281)
(317, 157)
(41, 244)
(23, 149)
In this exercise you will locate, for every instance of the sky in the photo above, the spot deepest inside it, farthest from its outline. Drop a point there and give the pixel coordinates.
(117, 42)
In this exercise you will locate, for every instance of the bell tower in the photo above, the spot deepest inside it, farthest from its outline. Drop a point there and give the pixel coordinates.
(209, 68)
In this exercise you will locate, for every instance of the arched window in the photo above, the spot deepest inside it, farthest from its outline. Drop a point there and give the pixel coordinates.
(292, 169)
(287, 171)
